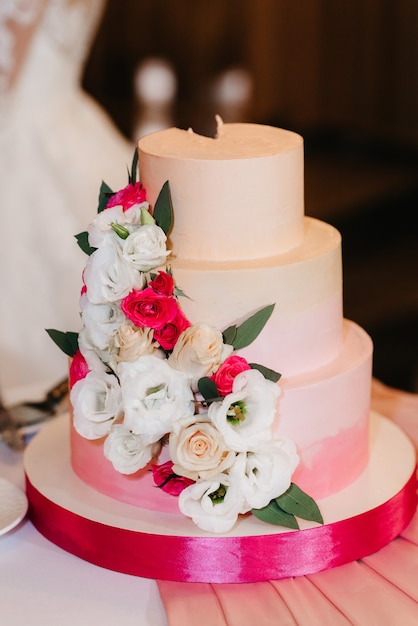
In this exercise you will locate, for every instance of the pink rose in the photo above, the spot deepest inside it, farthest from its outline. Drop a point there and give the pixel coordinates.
(78, 368)
(167, 335)
(225, 375)
(163, 283)
(128, 196)
(169, 482)
(148, 308)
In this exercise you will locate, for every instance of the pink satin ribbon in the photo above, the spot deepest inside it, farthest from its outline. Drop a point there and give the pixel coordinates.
(223, 559)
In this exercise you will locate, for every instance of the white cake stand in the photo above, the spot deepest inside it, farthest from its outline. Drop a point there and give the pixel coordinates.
(359, 520)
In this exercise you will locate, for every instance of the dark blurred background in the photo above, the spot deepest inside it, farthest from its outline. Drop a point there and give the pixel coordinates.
(344, 74)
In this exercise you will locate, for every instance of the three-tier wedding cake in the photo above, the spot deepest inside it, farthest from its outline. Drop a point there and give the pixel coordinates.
(219, 398)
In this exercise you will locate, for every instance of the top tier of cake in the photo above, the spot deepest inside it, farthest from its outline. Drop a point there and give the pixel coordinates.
(241, 193)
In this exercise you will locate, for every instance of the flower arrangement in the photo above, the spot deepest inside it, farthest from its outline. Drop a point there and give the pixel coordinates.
(145, 378)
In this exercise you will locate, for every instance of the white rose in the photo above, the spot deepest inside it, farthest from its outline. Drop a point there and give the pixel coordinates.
(199, 351)
(132, 343)
(101, 322)
(107, 275)
(127, 451)
(245, 416)
(265, 473)
(102, 224)
(96, 404)
(145, 248)
(213, 505)
(154, 396)
(197, 449)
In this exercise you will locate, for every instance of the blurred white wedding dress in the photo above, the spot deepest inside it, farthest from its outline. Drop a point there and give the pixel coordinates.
(56, 146)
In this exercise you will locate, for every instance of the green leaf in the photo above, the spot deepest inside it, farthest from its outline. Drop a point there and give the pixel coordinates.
(104, 195)
(297, 502)
(229, 335)
(134, 168)
(83, 242)
(66, 341)
(179, 292)
(266, 371)
(163, 209)
(208, 388)
(273, 514)
(251, 328)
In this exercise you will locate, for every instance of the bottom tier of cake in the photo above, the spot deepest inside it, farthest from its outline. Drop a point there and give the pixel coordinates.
(359, 520)
(325, 412)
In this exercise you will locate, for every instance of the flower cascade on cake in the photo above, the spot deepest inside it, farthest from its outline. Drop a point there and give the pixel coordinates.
(146, 379)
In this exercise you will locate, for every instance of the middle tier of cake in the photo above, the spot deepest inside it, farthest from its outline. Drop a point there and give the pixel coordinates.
(305, 285)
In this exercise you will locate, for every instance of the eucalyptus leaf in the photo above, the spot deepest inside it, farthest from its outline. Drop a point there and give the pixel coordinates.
(297, 502)
(83, 242)
(266, 371)
(229, 335)
(105, 194)
(163, 209)
(66, 341)
(273, 514)
(134, 168)
(251, 328)
(208, 388)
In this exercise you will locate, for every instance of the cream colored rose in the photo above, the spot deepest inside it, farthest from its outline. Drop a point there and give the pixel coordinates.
(197, 449)
(132, 343)
(199, 351)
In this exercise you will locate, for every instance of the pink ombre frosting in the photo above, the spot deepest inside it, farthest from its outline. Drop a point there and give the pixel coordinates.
(305, 284)
(327, 413)
(240, 241)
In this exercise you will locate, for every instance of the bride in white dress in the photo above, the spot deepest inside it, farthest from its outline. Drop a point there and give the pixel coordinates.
(56, 146)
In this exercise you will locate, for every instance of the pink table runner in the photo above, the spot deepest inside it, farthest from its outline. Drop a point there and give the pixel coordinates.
(380, 589)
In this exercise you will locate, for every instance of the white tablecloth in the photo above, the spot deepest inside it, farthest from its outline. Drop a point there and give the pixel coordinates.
(40, 584)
